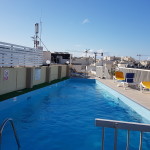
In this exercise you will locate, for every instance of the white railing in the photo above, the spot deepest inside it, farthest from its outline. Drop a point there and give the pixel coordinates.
(129, 126)
(140, 74)
(12, 55)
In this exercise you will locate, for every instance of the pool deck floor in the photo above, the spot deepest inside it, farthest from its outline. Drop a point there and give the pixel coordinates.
(133, 94)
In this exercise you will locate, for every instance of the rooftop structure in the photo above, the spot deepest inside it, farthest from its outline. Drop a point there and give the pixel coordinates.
(128, 58)
(12, 55)
(60, 57)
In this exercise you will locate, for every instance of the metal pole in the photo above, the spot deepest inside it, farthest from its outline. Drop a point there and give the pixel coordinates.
(128, 139)
(95, 57)
(141, 136)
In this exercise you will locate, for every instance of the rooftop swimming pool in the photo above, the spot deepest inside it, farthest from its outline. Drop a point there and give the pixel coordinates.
(62, 117)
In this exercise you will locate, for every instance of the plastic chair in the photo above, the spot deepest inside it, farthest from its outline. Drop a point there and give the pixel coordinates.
(119, 76)
(129, 80)
(144, 85)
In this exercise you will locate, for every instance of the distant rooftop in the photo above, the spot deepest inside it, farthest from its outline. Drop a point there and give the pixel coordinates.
(60, 53)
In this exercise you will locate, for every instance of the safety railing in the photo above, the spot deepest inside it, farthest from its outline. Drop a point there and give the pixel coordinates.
(129, 126)
(12, 55)
(14, 131)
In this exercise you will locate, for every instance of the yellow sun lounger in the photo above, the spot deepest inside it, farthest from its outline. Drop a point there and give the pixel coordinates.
(119, 76)
(145, 85)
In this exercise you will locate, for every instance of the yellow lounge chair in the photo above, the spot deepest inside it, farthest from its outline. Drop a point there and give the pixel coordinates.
(119, 76)
(144, 85)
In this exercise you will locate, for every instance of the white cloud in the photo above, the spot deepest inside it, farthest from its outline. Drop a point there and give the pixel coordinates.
(85, 21)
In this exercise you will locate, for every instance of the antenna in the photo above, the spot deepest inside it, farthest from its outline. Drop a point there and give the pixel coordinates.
(36, 28)
(40, 31)
(40, 27)
(36, 42)
(36, 37)
(43, 44)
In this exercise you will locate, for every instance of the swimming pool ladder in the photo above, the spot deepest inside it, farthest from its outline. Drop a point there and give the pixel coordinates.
(129, 126)
(14, 131)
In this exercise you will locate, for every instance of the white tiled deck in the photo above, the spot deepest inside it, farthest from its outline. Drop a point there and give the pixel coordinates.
(134, 94)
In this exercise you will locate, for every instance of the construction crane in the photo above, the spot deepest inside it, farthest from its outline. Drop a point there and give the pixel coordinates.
(139, 55)
(95, 53)
(86, 52)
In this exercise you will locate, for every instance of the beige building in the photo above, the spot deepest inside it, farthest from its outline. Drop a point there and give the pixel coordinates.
(82, 60)
(111, 58)
(145, 63)
(128, 58)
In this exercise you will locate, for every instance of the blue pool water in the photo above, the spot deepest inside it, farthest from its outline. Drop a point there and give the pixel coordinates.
(62, 117)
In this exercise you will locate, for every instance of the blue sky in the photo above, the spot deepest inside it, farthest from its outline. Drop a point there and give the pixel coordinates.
(117, 27)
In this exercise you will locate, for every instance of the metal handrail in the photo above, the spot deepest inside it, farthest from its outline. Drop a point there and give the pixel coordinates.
(14, 130)
(129, 126)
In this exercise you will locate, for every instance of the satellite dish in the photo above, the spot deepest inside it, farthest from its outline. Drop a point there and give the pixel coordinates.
(67, 62)
(48, 62)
